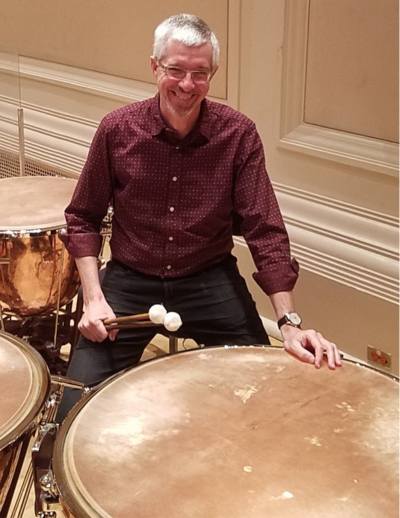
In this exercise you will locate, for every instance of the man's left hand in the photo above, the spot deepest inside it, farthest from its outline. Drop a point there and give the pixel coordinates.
(310, 346)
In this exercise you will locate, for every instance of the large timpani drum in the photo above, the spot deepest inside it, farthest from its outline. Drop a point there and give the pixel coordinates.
(24, 388)
(37, 275)
(233, 432)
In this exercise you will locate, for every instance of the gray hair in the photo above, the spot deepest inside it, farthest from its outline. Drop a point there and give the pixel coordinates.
(187, 29)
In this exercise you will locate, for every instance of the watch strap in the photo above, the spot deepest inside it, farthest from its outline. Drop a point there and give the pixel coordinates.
(286, 319)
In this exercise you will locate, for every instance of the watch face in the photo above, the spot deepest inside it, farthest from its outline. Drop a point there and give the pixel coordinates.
(294, 318)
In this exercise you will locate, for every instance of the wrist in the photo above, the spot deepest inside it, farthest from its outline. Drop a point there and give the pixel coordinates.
(93, 298)
(288, 329)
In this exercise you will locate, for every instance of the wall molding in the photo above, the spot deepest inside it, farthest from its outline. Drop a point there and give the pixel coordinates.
(328, 265)
(343, 206)
(119, 88)
(345, 223)
(348, 244)
(271, 327)
(73, 78)
(51, 137)
(352, 245)
(345, 148)
(338, 146)
(62, 140)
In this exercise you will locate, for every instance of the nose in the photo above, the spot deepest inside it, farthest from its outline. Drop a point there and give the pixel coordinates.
(186, 83)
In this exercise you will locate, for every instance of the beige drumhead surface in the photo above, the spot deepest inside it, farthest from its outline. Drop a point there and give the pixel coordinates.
(234, 433)
(34, 202)
(24, 383)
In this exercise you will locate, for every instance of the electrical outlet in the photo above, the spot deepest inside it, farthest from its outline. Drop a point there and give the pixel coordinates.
(379, 357)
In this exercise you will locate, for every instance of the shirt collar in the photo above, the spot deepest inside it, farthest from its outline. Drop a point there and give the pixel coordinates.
(202, 127)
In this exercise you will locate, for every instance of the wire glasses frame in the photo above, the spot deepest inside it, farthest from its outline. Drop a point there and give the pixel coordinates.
(197, 76)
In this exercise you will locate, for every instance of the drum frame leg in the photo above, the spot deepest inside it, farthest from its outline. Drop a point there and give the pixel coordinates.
(26, 485)
(77, 315)
(24, 492)
(59, 293)
(1, 320)
(173, 344)
(42, 453)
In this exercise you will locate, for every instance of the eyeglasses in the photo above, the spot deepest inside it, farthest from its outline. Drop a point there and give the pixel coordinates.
(197, 76)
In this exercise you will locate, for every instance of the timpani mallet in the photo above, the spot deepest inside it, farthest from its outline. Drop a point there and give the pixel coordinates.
(156, 316)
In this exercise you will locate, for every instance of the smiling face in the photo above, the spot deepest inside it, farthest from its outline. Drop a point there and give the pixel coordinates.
(180, 100)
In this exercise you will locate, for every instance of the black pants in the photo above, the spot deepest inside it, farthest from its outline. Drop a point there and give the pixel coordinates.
(215, 306)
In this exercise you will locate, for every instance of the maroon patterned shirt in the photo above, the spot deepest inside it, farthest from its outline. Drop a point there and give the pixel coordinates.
(173, 199)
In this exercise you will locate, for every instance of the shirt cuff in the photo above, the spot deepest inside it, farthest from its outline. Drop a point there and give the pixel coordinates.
(278, 278)
(82, 245)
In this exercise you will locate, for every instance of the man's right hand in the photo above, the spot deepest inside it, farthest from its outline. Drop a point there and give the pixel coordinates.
(91, 324)
(96, 306)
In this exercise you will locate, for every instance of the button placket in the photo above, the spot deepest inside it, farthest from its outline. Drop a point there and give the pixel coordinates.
(173, 205)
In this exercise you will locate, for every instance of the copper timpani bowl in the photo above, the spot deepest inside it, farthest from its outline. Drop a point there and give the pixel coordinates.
(37, 275)
(234, 432)
(24, 388)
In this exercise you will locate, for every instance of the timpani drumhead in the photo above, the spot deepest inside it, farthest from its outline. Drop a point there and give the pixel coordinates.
(24, 387)
(34, 202)
(233, 433)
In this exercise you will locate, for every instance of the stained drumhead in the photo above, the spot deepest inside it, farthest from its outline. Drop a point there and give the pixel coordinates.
(24, 386)
(34, 202)
(233, 432)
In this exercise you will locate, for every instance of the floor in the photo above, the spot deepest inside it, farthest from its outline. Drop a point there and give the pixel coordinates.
(158, 347)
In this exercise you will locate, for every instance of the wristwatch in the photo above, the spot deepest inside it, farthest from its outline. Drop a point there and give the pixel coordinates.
(293, 319)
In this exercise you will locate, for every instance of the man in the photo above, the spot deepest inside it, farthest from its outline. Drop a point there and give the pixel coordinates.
(176, 169)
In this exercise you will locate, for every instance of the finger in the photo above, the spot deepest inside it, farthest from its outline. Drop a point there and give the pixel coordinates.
(94, 331)
(332, 354)
(312, 342)
(92, 334)
(100, 331)
(112, 334)
(338, 356)
(297, 351)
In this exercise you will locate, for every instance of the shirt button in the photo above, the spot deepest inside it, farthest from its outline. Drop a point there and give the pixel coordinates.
(171, 238)
(174, 179)
(171, 209)
(169, 267)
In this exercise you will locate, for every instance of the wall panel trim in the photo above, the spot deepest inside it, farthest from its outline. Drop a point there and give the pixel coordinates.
(54, 138)
(351, 245)
(67, 138)
(338, 146)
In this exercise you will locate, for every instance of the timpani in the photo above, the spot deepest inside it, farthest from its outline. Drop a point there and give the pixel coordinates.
(24, 388)
(233, 432)
(37, 275)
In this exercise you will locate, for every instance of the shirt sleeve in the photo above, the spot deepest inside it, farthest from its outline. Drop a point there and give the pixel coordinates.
(90, 201)
(262, 226)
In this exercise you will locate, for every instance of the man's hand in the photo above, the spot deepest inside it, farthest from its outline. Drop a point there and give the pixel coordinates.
(96, 306)
(310, 346)
(91, 324)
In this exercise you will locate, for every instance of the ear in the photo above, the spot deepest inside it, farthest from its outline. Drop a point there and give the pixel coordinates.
(153, 64)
